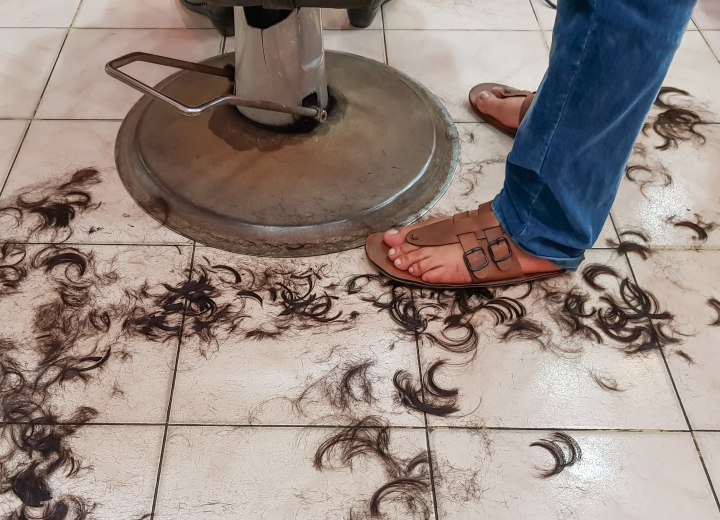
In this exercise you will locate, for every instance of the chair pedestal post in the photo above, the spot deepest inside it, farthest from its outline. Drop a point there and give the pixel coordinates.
(279, 57)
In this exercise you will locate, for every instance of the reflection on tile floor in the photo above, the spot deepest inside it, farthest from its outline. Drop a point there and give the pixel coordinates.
(548, 372)
(144, 376)
(22, 84)
(619, 475)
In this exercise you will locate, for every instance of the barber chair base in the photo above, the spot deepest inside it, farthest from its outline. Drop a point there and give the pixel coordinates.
(386, 154)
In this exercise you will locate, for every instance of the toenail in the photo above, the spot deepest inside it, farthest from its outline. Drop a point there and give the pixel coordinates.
(484, 94)
(398, 262)
(393, 232)
(412, 270)
(391, 252)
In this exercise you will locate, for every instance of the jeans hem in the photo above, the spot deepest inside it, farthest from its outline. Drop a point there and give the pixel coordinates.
(569, 264)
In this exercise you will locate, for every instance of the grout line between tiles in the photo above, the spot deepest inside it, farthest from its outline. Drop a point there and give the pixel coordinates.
(679, 398)
(394, 427)
(537, 19)
(100, 244)
(707, 472)
(17, 152)
(712, 49)
(80, 119)
(559, 428)
(384, 32)
(431, 468)
(617, 234)
(170, 398)
(656, 249)
(75, 28)
(84, 119)
(498, 30)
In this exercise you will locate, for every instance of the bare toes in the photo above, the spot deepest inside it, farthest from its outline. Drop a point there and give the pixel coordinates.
(486, 100)
(406, 260)
(423, 266)
(395, 237)
(403, 249)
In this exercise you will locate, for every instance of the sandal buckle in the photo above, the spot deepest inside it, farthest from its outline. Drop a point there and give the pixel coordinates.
(468, 262)
(498, 241)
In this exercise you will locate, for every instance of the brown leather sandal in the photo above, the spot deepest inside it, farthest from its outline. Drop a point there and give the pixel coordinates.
(507, 92)
(491, 256)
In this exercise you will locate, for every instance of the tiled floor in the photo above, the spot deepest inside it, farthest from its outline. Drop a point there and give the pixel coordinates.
(145, 376)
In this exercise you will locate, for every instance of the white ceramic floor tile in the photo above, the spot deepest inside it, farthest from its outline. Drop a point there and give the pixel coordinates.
(707, 14)
(268, 473)
(117, 475)
(37, 13)
(517, 383)
(481, 174)
(138, 14)
(467, 14)
(681, 185)
(684, 282)
(621, 475)
(450, 63)
(261, 364)
(365, 43)
(696, 70)
(52, 151)
(26, 60)
(104, 288)
(710, 448)
(338, 19)
(116, 479)
(11, 133)
(81, 69)
(548, 35)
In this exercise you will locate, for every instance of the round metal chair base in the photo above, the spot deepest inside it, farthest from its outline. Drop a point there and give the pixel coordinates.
(386, 154)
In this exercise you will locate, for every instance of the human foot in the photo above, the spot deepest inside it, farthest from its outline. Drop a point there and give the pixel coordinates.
(434, 253)
(441, 264)
(505, 110)
(503, 107)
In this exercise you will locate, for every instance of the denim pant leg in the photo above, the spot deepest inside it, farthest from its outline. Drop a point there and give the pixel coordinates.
(607, 64)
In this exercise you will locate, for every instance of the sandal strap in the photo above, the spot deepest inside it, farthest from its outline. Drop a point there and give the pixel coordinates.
(489, 254)
(509, 92)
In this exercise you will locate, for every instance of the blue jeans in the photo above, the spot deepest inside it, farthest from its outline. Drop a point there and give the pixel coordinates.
(607, 64)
